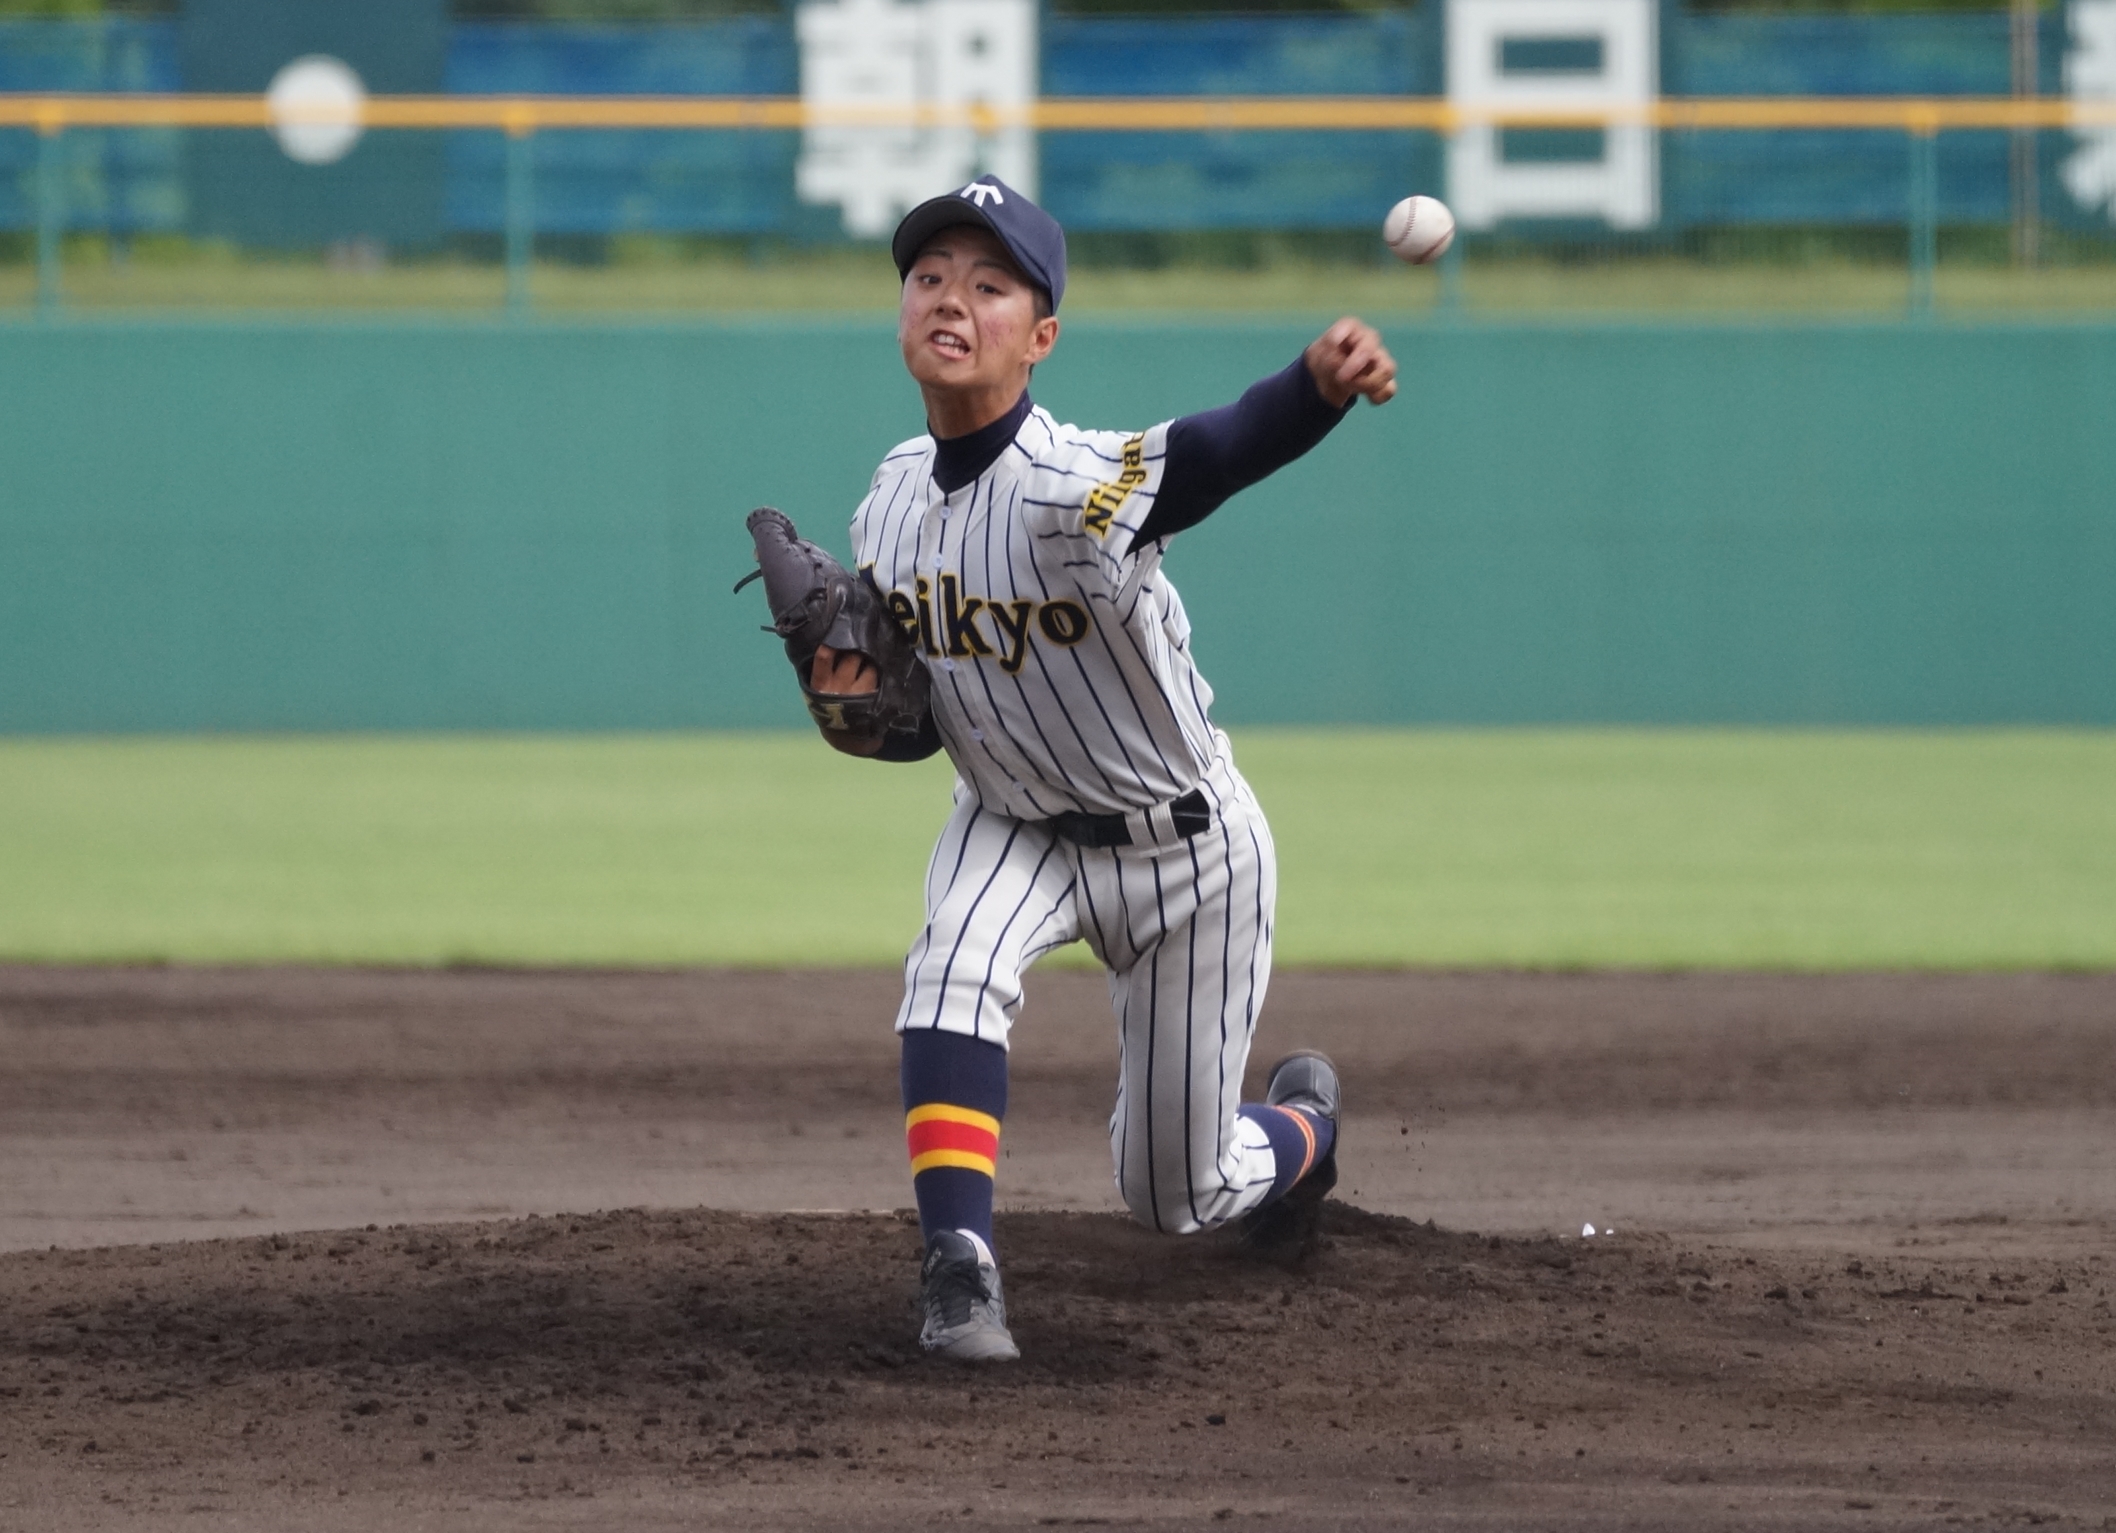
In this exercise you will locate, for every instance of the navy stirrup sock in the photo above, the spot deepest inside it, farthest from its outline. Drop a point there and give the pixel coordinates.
(955, 1094)
(1300, 1141)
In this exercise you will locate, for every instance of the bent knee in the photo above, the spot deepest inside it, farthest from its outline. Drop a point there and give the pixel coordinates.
(950, 1003)
(1186, 1208)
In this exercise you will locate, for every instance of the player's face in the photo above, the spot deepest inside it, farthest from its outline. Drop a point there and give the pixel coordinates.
(968, 320)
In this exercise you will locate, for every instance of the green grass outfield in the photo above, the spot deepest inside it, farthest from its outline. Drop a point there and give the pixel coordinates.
(1657, 849)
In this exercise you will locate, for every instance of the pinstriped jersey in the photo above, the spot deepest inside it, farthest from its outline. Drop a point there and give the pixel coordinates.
(1059, 651)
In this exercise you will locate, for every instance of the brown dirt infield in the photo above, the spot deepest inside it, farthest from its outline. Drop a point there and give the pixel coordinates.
(327, 1250)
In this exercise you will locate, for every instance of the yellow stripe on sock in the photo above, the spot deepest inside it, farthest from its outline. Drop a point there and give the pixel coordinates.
(964, 1159)
(941, 1112)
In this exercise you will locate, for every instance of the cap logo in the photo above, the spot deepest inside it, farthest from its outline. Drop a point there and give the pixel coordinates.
(978, 192)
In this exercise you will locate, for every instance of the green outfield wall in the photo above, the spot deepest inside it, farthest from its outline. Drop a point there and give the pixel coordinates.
(240, 526)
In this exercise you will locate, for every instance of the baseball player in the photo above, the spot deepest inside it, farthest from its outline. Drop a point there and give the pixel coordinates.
(1010, 607)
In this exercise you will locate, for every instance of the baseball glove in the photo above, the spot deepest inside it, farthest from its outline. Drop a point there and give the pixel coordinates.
(814, 601)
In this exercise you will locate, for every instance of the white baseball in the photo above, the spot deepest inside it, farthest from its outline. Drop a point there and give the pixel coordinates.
(1419, 229)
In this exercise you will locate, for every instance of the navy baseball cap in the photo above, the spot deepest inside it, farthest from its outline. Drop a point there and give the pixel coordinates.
(1031, 235)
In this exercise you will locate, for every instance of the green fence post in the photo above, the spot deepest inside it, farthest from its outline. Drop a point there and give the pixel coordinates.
(1451, 260)
(521, 209)
(1924, 212)
(984, 130)
(51, 208)
(1451, 280)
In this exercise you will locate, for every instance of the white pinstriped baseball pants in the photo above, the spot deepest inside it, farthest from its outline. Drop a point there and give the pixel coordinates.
(1184, 929)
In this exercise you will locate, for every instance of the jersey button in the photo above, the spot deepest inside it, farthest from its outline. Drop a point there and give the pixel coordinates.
(978, 735)
(947, 665)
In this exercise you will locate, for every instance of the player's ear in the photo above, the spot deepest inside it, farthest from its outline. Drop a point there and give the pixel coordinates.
(1043, 335)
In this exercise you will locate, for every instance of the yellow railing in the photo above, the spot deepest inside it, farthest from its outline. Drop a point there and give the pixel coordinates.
(521, 115)
(1920, 118)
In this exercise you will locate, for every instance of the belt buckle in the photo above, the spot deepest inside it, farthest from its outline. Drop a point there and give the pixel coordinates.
(1191, 815)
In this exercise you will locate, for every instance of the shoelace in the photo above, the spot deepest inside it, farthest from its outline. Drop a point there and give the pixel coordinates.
(957, 1287)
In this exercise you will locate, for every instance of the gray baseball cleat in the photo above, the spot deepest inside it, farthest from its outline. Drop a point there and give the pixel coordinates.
(1305, 1079)
(959, 1293)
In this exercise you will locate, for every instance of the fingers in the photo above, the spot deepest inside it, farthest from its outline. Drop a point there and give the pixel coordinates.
(842, 672)
(1364, 365)
(1323, 356)
(1348, 359)
(833, 669)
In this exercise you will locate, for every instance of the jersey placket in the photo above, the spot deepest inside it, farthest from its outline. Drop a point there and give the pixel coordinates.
(996, 767)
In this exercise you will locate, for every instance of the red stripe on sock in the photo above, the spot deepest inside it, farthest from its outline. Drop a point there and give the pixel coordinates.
(938, 1134)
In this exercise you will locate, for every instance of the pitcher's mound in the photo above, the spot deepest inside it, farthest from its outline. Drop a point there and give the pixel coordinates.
(701, 1368)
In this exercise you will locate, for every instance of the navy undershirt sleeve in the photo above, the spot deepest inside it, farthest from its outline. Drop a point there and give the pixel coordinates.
(1216, 453)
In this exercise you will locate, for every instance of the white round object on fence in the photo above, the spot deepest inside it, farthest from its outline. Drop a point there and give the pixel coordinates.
(317, 104)
(1419, 229)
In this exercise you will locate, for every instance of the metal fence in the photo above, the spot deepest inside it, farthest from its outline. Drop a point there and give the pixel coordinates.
(475, 200)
